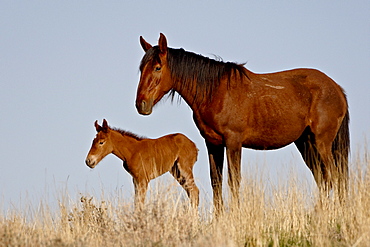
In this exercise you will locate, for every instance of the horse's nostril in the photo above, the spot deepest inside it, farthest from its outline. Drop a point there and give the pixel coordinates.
(140, 105)
(144, 107)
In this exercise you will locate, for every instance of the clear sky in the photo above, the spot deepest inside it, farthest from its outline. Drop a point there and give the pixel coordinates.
(65, 64)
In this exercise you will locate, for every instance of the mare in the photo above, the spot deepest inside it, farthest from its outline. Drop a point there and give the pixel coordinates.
(234, 108)
(146, 159)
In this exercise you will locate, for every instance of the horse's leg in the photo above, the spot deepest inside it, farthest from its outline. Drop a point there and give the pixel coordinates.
(216, 162)
(324, 147)
(306, 146)
(141, 187)
(183, 173)
(327, 115)
(233, 152)
(340, 151)
(324, 132)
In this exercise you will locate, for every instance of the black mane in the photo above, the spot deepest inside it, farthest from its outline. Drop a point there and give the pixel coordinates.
(128, 133)
(187, 66)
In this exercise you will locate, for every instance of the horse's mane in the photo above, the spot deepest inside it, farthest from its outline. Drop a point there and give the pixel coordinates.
(187, 66)
(128, 133)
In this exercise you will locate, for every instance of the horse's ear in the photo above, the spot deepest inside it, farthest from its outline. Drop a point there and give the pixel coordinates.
(146, 46)
(105, 126)
(97, 126)
(162, 43)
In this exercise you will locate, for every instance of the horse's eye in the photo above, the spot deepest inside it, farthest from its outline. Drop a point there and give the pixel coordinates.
(101, 142)
(157, 68)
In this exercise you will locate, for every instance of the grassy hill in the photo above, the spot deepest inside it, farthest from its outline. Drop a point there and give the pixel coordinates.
(281, 215)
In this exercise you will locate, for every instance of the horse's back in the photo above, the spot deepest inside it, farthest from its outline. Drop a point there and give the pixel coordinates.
(308, 78)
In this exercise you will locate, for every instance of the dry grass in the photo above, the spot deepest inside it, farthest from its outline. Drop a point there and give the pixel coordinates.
(283, 215)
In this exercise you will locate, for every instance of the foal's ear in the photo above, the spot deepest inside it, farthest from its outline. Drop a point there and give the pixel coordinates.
(162, 43)
(97, 126)
(146, 46)
(105, 126)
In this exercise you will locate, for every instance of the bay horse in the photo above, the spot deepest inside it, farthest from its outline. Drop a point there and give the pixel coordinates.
(146, 159)
(234, 108)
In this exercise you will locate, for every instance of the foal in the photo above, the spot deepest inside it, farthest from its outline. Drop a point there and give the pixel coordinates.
(146, 159)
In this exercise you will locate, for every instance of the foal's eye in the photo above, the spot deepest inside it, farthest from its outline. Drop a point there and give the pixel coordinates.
(101, 142)
(157, 68)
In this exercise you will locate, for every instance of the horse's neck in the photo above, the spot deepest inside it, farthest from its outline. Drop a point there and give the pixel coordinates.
(189, 96)
(123, 145)
(195, 100)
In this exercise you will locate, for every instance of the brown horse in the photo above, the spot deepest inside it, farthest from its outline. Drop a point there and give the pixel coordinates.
(234, 108)
(146, 159)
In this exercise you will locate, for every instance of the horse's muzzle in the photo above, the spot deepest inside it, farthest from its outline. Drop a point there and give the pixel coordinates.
(144, 107)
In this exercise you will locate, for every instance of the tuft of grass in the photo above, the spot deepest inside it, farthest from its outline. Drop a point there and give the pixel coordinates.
(287, 214)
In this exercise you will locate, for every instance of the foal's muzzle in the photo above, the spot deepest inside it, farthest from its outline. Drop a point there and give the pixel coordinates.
(90, 163)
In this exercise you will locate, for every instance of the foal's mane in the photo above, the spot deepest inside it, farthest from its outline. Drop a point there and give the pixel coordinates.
(187, 67)
(128, 133)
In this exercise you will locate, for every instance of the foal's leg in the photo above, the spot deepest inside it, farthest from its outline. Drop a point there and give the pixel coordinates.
(216, 162)
(182, 171)
(141, 187)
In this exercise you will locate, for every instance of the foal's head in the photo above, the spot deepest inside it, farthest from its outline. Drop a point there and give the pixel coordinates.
(101, 145)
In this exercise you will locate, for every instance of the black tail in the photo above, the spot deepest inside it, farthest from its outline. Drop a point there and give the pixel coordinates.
(340, 150)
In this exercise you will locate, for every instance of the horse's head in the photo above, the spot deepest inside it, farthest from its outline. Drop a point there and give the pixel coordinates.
(155, 78)
(101, 146)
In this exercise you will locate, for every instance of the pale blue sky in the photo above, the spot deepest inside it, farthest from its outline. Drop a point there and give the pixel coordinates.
(65, 64)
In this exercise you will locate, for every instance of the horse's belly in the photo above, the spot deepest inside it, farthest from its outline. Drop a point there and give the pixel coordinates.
(272, 138)
(262, 144)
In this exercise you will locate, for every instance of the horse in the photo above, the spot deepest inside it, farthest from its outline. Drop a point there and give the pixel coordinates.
(234, 108)
(146, 159)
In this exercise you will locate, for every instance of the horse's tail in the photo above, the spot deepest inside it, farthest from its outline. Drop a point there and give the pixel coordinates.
(340, 150)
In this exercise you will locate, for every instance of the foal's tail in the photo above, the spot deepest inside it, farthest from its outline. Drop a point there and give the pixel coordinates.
(340, 150)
